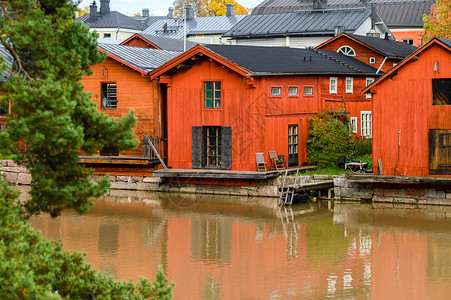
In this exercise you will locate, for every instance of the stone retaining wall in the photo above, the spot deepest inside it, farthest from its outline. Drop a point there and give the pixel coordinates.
(412, 195)
(345, 190)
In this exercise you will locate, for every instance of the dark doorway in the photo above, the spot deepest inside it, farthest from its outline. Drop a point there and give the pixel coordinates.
(293, 147)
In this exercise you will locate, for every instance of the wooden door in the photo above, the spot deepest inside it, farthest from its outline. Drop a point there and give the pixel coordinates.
(293, 145)
(440, 151)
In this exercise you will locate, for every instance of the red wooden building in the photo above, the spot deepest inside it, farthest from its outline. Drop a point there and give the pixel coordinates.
(120, 84)
(226, 103)
(412, 113)
(382, 54)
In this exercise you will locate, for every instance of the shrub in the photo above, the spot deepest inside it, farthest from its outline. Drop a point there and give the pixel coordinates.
(363, 146)
(328, 138)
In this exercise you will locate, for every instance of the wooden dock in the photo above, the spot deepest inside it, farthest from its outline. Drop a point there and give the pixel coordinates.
(313, 186)
(226, 174)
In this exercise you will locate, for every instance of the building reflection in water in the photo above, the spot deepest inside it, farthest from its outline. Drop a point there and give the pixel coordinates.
(238, 248)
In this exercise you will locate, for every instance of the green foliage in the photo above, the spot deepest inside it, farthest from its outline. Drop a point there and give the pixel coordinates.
(363, 146)
(52, 114)
(35, 268)
(328, 139)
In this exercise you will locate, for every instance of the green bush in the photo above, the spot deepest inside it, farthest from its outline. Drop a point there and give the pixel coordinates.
(363, 146)
(35, 268)
(329, 138)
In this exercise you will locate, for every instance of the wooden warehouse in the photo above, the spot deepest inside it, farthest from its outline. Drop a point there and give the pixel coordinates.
(412, 114)
(120, 84)
(226, 103)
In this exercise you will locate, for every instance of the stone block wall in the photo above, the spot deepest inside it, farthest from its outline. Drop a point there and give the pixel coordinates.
(345, 190)
(413, 195)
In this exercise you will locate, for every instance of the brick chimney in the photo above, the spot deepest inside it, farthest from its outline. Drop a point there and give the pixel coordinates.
(93, 12)
(104, 7)
(189, 12)
(230, 9)
(145, 12)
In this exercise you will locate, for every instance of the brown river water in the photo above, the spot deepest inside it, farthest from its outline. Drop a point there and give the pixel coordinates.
(247, 248)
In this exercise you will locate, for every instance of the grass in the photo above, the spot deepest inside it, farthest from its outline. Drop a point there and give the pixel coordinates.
(334, 170)
(5, 157)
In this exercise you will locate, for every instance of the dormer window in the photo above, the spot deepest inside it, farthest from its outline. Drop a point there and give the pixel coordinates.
(372, 60)
(346, 50)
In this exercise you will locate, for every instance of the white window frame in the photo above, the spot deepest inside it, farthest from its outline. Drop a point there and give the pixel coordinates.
(333, 89)
(354, 124)
(346, 50)
(372, 60)
(366, 126)
(369, 80)
(350, 89)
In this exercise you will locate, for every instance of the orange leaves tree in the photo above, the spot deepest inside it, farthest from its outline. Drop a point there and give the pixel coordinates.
(438, 22)
(207, 8)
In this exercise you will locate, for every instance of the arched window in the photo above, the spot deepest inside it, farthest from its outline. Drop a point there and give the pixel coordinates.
(346, 50)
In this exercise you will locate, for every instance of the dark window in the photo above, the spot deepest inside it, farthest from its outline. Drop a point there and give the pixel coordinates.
(293, 145)
(107, 35)
(408, 41)
(212, 147)
(441, 91)
(276, 91)
(212, 94)
(308, 90)
(3, 108)
(109, 95)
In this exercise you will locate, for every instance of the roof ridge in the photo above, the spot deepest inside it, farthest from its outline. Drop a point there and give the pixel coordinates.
(336, 60)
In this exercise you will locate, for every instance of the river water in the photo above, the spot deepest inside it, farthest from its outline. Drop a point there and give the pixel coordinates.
(244, 248)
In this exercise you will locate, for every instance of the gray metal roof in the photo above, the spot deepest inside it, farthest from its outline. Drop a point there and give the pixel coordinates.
(173, 28)
(288, 61)
(167, 43)
(389, 48)
(113, 19)
(299, 23)
(395, 13)
(144, 59)
(9, 60)
(445, 41)
(149, 20)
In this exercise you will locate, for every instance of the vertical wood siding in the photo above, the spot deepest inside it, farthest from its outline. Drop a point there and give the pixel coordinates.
(134, 91)
(405, 103)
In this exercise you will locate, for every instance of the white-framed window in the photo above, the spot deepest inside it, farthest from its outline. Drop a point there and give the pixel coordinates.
(372, 60)
(346, 50)
(276, 91)
(292, 91)
(109, 95)
(369, 80)
(333, 85)
(354, 124)
(365, 123)
(349, 85)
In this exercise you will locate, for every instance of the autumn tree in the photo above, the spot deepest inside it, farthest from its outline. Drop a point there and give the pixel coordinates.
(52, 116)
(437, 23)
(83, 11)
(207, 8)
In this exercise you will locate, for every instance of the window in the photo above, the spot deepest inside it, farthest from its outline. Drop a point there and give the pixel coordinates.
(346, 50)
(4, 108)
(308, 90)
(107, 35)
(276, 91)
(395, 64)
(333, 85)
(212, 147)
(354, 124)
(369, 80)
(293, 151)
(372, 60)
(292, 91)
(212, 94)
(349, 85)
(441, 91)
(408, 41)
(365, 121)
(440, 151)
(109, 95)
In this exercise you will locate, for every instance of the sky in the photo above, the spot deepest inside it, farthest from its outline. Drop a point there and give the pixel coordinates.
(156, 7)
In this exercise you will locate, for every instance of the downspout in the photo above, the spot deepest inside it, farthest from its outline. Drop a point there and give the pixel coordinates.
(117, 33)
(380, 67)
